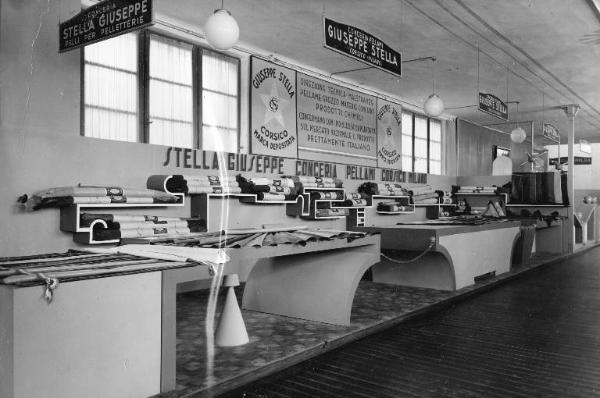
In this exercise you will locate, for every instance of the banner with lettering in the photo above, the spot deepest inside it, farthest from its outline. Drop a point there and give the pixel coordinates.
(389, 134)
(493, 105)
(360, 45)
(273, 109)
(334, 119)
(104, 20)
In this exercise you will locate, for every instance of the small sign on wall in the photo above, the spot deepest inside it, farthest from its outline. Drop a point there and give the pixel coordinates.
(335, 120)
(103, 21)
(579, 160)
(273, 109)
(389, 134)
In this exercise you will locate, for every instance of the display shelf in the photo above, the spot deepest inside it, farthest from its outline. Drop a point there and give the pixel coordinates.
(307, 207)
(70, 218)
(533, 205)
(401, 200)
(200, 203)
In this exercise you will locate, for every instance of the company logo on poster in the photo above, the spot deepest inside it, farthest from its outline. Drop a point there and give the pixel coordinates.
(273, 109)
(389, 133)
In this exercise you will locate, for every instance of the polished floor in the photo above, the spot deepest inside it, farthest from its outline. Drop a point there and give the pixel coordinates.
(278, 342)
(537, 336)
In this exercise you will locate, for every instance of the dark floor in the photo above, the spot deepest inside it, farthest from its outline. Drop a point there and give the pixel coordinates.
(538, 336)
(277, 342)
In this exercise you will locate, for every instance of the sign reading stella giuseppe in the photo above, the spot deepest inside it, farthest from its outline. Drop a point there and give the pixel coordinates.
(362, 46)
(104, 20)
(335, 119)
(493, 105)
(273, 109)
(389, 134)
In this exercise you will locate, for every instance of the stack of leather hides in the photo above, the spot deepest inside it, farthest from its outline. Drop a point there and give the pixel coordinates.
(318, 182)
(354, 199)
(120, 226)
(269, 189)
(193, 184)
(539, 188)
(372, 188)
(66, 196)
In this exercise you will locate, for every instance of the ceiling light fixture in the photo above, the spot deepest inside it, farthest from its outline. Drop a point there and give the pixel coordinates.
(433, 106)
(517, 135)
(221, 29)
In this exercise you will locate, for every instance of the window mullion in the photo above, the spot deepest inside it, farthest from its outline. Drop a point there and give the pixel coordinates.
(144, 87)
(428, 145)
(197, 95)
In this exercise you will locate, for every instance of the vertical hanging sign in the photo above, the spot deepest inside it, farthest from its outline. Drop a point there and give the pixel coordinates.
(272, 109)
(389, 134)
(104, 20)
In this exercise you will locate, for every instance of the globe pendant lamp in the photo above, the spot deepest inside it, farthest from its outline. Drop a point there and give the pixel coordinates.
(518, 135)
(221, 30)
(433, 106)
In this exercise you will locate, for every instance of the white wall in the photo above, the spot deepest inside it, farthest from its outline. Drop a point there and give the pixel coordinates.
(585, 176)
(40, 141)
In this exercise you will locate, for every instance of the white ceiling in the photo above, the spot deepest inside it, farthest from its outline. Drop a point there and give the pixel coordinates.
(542, 53)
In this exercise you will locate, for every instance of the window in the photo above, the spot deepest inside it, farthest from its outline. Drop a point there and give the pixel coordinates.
(407, 141)
(420, 139)
(149, 88)
(435, 147)
(421, 144)
(111, 84)
(219, 101)
(171, 106)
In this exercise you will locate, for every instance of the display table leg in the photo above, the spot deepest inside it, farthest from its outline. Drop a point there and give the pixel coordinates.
(317, 286)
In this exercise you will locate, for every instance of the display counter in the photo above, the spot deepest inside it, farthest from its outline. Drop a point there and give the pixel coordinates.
(455, 254)
(316, 281)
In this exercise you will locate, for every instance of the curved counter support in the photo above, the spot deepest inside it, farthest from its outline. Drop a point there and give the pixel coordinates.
(460, 254)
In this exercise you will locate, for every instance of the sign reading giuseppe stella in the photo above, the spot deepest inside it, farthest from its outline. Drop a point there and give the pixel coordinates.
(273, 105)
(389, 133)
(104, 20)
(334, 119)
(493, 105)
(359, 44)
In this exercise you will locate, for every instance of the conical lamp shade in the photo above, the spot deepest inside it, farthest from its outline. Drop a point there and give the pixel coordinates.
(231, 330)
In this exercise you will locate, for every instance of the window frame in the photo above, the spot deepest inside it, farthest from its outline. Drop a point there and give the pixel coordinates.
(143, 88)
(428, 159)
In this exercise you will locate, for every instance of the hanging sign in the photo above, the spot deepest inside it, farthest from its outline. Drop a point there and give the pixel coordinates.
(273, 110)
(578, 160)
(389, 134)
(362, 46)
(493, 105)
(335, 120)
(551, 132)
(104, 20)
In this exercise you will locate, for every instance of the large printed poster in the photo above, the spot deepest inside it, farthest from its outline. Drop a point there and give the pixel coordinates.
(273, 110)
(334, 119)
(389, 134)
